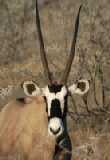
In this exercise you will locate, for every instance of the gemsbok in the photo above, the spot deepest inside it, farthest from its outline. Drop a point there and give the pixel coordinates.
(34, 128)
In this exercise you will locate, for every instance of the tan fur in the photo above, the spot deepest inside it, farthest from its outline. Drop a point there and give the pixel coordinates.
(23, 131)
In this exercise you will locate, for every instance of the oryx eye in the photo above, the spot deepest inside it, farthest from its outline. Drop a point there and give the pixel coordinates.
(65, 98)
(45, 98)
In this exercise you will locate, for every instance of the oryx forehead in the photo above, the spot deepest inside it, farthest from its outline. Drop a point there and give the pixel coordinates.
(58, 95)
(62, 93)
(47, 93)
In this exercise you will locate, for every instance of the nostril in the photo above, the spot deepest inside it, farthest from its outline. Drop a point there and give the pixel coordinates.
(55, 131)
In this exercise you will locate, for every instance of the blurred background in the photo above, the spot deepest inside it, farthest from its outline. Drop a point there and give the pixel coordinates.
(88, 116)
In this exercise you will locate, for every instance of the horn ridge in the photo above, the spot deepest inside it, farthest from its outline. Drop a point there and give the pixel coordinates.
(72, 53)
(42, 50)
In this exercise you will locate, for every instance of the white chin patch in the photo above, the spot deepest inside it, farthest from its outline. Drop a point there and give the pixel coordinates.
(55, 127)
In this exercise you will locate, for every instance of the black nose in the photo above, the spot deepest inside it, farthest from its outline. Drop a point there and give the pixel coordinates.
(55, 131)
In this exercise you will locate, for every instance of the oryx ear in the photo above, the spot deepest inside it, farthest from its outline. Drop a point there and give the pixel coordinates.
(31, 89)
(80, 87)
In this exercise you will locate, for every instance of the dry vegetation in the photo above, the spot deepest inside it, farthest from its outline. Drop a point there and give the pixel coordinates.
(89, 116)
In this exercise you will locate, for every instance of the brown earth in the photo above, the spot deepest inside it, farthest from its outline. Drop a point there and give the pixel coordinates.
(89, 116)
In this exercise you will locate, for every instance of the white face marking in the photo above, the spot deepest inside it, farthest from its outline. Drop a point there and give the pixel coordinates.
(51, 96)
(55, 124)
(60, 96)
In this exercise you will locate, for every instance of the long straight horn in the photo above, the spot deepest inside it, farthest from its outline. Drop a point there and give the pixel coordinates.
(72, 53)
(42, 51)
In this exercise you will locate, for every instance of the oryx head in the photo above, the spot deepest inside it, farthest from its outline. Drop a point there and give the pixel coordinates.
(55, 95)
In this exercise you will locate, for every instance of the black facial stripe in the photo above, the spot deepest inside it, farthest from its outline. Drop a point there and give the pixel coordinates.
(55, 110)
(55, 88)
(46, 104)
(65, 107)
(65, 98)
(45, 98)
